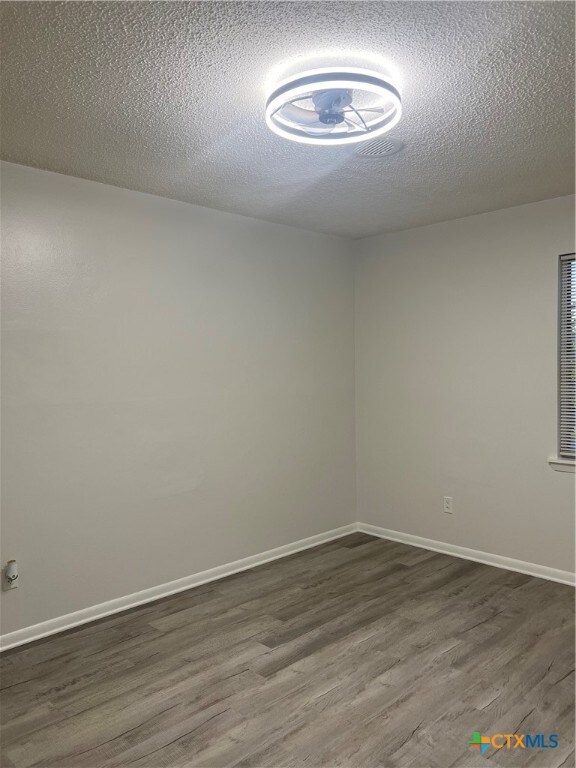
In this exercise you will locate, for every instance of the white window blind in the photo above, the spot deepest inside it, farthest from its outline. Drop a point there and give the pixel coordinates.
(567, 358)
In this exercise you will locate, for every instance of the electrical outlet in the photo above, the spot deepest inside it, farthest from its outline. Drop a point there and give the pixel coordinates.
(10, 580)
(448, 505)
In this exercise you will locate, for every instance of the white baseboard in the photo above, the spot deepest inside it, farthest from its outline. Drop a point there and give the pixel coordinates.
(70, 620)
(76, 619)
(499, 561)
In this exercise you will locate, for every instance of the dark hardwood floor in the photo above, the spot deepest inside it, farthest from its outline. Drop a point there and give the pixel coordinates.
(359, 653)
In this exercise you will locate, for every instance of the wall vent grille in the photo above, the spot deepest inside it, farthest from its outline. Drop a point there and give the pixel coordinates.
(378, 148)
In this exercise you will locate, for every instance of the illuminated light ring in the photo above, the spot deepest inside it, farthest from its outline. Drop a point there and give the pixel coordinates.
(335, 79)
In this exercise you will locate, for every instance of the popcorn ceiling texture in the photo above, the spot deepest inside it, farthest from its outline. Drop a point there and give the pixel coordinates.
(168, 98)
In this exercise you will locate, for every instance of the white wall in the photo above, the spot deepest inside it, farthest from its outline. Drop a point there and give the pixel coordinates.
(178, 390)
(178, 387)
(456, 344)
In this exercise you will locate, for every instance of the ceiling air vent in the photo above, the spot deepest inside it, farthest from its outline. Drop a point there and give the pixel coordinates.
(378, 148)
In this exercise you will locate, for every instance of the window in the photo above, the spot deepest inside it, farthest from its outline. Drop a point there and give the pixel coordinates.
(567, 358)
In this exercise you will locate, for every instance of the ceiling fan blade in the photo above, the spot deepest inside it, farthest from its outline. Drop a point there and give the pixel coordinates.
(367, 109)
(359, 116)
(305, 118)
(352, 124)
(318, 128)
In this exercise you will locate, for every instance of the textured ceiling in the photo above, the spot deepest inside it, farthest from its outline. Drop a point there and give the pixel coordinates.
(168, 98)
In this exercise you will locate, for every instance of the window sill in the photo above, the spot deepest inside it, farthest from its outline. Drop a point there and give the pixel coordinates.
(562, 465)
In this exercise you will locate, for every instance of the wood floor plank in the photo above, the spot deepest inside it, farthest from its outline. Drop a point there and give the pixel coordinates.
(359, 653)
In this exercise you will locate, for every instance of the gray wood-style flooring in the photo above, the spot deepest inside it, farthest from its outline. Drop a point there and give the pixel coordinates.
(357, 653)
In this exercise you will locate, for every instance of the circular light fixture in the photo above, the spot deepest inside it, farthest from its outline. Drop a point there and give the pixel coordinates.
(342, 105)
